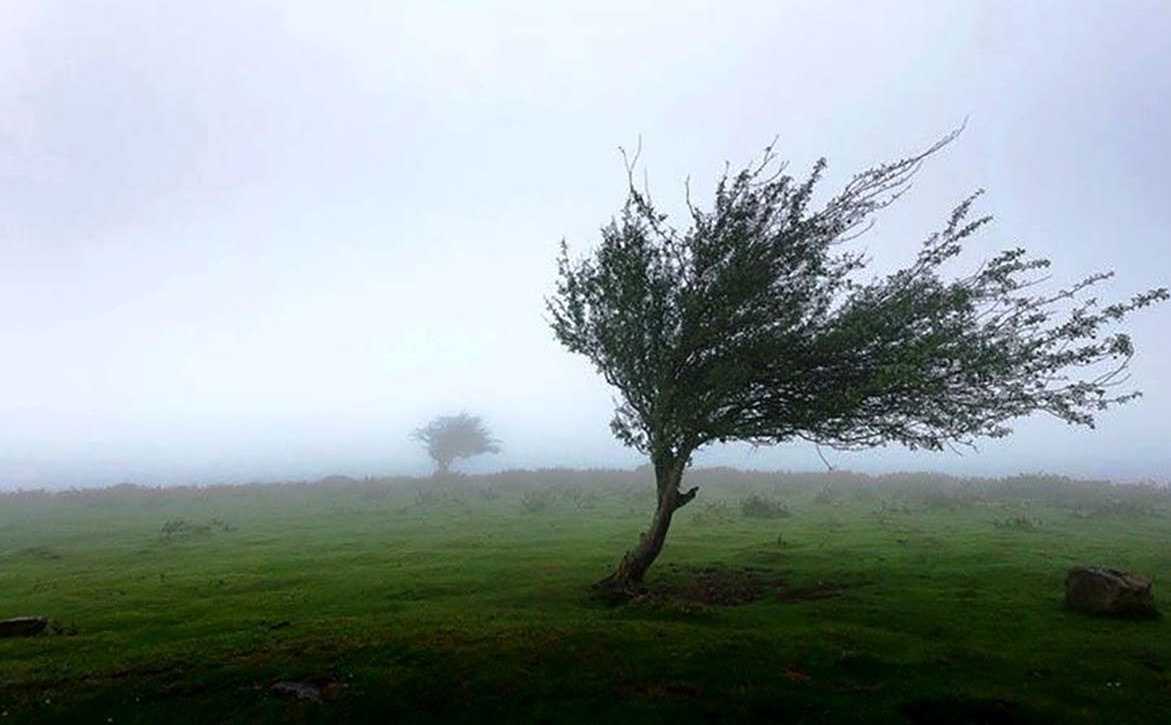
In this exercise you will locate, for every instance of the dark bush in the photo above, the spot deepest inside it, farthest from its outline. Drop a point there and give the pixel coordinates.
(759, 507)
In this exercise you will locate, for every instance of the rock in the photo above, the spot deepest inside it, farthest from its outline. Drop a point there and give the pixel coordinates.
(23, 626)
(1098, 590)
(297, 691)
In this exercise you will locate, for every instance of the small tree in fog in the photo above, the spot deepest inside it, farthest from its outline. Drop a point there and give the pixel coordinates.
(752, 325)
(450, 437)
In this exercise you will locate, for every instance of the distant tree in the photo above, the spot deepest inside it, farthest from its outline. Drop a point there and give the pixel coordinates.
(751, 325)
(455, 436)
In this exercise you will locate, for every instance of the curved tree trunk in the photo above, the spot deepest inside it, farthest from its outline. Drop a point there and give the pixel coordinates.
(627, 578)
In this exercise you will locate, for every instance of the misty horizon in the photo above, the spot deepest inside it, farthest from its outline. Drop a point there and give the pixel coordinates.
(262, 241)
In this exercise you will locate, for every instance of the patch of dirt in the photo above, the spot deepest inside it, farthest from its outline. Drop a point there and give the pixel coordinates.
(712, 586)
(820, 590)
(719, 586)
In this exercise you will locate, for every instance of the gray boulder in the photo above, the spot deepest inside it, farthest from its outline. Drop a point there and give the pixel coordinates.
(296, 690)
(23, 626)
(1098, 590)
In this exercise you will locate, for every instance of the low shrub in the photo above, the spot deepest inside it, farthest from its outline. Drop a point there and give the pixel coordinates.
(182, 528)
(1115, 508)
(825, 496)
(713, 512)
(535, 501)
(1019, 523)
(760, 507)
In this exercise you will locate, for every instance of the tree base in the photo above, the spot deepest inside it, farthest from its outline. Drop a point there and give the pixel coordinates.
(615, 590)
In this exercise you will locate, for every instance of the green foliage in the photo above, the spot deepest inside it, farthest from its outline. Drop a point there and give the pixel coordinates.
(449, 437)
(535, 501)
(763, 507)
(752, 325)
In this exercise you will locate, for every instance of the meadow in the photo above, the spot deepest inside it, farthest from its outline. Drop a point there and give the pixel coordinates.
(829, 597)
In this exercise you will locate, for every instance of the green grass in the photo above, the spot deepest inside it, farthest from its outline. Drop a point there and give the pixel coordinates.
(469, 602)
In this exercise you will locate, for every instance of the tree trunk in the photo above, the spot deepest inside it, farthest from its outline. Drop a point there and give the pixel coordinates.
(627, 578)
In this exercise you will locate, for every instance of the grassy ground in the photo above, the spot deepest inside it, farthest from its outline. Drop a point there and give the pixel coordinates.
(892, 599)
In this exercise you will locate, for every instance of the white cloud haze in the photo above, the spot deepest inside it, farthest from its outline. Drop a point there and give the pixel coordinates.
(257, 239)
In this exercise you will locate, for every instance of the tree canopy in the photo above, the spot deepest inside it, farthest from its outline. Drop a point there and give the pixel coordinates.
(754, 324)
(450, 437)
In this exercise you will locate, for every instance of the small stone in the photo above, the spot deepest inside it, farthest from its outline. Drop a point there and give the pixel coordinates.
(297, 691)
(23, 626)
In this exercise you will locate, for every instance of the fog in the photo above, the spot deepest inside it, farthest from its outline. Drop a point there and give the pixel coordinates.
(265, 240)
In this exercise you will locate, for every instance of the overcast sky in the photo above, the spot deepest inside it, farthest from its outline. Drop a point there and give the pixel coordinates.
(256, 240)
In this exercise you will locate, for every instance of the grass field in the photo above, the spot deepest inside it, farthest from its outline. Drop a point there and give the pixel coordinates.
(909, 598)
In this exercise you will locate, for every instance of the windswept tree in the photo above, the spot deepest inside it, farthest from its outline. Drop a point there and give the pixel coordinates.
(752, 325)
(449, 437)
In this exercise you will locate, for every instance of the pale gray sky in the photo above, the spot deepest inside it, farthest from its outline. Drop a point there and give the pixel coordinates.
(256, 239)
